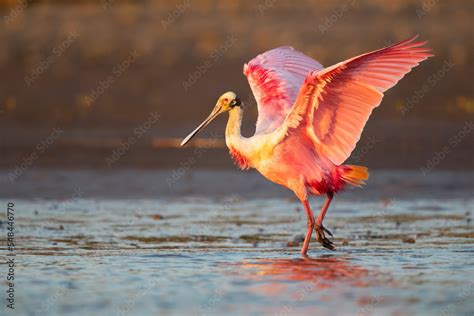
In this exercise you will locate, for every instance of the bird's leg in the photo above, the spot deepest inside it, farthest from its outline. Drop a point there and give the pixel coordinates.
(320, 229)
(319, 220)
(311, 226)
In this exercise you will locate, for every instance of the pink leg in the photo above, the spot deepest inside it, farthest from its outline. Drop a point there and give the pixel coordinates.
(319, 228)
(309, 231)
(319, 220)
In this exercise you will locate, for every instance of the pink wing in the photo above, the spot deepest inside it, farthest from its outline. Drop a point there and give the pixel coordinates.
(334, 104)
(275, 78)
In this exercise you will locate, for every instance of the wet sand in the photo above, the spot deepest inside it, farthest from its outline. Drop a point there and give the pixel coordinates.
(228, 243)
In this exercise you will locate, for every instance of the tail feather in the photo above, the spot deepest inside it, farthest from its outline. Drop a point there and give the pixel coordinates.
(354, 175)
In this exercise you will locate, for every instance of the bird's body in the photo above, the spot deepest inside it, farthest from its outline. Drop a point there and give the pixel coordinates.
(293, 163)
(310, 119)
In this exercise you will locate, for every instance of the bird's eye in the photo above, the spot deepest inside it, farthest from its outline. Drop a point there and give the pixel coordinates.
(235, 102)
(226, 100)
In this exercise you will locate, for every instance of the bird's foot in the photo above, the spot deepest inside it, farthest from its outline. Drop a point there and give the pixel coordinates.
(321, 237)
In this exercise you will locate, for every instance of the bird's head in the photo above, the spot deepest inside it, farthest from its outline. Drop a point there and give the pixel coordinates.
(226, 102)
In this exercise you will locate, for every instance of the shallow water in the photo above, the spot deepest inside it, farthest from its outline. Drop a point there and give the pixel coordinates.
(209, 256)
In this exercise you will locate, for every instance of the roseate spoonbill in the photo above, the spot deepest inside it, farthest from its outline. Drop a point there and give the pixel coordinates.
(310, 119)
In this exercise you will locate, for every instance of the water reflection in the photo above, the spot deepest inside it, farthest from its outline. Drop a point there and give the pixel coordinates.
(309, 286)
(321, 272)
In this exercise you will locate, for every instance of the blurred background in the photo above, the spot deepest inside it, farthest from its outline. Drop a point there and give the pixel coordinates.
(113, 83)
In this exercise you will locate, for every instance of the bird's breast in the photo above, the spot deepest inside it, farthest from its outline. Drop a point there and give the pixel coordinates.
(240, 160)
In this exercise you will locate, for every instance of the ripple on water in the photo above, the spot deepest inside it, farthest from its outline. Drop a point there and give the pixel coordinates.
(242, 261)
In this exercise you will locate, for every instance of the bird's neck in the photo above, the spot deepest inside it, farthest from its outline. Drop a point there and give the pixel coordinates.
(238, 147)
(232, 130)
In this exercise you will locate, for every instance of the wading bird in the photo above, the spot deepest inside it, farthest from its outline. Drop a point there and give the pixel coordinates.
(310, 119)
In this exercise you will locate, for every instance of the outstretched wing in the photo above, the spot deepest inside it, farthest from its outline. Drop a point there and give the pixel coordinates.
(334, 104)
(275, 78)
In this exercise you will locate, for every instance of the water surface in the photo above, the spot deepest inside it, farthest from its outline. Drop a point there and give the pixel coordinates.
(235, 256)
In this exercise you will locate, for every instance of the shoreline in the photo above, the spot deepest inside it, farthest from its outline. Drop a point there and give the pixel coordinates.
(134, 183)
